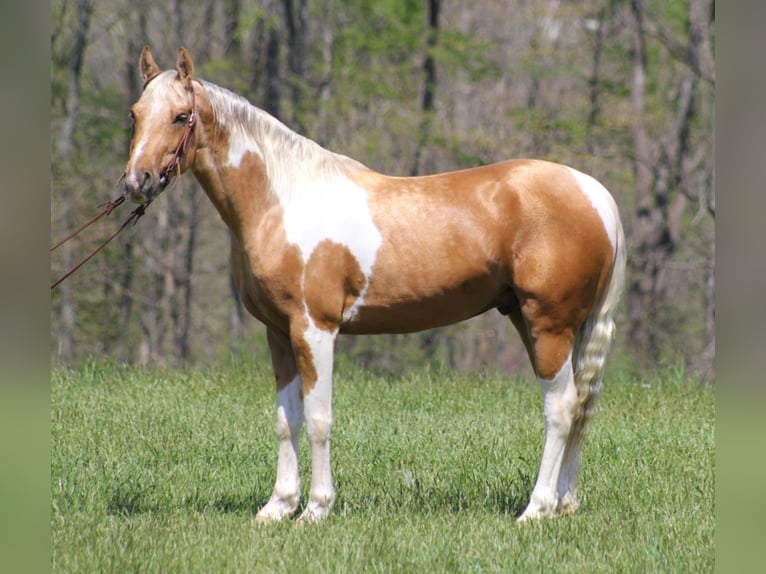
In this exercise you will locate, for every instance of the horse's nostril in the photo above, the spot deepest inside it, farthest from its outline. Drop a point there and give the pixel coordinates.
(146, 184)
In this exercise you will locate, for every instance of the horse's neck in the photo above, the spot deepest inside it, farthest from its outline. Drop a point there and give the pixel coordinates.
(235, 180)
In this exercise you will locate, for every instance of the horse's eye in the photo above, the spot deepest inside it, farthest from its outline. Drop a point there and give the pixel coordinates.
(181, 119)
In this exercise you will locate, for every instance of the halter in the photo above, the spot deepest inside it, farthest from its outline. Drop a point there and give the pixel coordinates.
(135, 215)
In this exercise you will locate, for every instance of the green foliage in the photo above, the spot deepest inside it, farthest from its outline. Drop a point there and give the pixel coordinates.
(159, 471)
(106, 126)
(458, 52)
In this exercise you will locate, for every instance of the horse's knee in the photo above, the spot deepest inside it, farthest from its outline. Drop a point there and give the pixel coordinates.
(287, 428)
(318, 427)
(289, 410)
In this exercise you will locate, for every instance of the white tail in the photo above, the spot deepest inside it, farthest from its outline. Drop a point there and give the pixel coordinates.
(595, 337)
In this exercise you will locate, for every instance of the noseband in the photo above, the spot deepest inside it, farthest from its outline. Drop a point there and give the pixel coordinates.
(135, 215)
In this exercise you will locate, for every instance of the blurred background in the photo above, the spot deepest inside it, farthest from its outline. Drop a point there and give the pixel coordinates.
(623, 90)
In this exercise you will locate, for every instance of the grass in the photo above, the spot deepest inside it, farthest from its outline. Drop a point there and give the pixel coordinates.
(161, 471)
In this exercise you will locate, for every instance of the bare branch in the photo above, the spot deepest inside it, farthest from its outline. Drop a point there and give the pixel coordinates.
(697, 54)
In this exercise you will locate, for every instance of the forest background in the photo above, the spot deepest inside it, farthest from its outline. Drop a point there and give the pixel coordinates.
(621, 89)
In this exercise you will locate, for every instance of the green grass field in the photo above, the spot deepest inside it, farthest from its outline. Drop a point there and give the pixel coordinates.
(162, 471)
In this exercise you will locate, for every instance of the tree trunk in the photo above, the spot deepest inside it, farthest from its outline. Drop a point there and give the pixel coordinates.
(594, 82)
(661, 201)
(328, 41)
(429, 83)
(297, 41)
(137, 17)
(640, 284)
(84, 13)
(65, 150)
(232, 44)
(272, 97)
(183, 337)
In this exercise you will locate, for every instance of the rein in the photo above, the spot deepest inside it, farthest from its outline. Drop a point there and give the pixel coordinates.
(135, 215)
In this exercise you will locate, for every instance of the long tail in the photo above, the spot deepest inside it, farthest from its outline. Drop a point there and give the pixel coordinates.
(595, 337)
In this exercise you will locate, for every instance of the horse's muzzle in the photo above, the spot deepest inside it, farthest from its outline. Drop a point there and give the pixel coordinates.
(142, 187)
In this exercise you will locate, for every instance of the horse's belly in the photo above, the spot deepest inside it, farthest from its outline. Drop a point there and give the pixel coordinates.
(406, 311)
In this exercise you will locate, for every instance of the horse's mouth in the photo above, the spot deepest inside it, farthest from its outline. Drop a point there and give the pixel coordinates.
(147, 194)
(140, 196)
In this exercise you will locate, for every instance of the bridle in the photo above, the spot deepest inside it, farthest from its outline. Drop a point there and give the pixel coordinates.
(174, 166)
(183, 145)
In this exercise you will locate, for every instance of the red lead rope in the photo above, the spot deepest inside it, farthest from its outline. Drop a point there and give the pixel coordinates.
(108, 207)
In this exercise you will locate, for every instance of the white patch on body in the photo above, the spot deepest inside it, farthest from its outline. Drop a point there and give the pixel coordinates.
(239, 145)
(602, 200)
(333, 209)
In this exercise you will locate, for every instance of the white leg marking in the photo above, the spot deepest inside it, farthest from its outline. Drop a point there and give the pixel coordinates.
(570, 468)
(318, 412)
(559, 396)
(286, 494)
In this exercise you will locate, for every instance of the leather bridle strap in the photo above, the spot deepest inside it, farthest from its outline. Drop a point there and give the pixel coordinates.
(183, 145)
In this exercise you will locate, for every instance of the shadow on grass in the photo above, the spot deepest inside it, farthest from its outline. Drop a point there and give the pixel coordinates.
(128, 502)
(445, 494)
(502, 496)
(131, 501)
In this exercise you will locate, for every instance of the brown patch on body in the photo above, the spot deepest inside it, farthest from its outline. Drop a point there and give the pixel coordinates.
(333, 281)
(303, 354)
(441, 260)
(518, 235)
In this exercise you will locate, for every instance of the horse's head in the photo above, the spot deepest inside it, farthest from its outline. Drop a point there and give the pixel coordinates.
(163, 127)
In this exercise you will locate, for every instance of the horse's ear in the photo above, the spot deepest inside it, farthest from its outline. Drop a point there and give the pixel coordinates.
(149, 67)
(185, 66)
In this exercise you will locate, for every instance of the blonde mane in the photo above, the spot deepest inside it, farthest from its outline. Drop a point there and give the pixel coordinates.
(291, 159)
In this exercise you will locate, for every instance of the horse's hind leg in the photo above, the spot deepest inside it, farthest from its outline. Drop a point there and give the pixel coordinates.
(553, 366)
(558, 399)
(570, 468)
(591, 346)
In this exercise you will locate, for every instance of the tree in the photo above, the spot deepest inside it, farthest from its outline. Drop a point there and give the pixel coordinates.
(65, 155)
(623, 90)
(663, 168)
(429, 82)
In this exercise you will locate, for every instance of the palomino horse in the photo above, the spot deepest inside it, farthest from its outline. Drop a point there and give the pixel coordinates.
(322, 245)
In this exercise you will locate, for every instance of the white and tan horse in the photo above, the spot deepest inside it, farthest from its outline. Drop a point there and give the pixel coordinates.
(322, 245)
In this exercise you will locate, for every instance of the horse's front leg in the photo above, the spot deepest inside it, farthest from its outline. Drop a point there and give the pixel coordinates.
(285, 498)
(314, 349)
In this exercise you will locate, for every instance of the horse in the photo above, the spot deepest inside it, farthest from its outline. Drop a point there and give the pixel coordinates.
(322, 245)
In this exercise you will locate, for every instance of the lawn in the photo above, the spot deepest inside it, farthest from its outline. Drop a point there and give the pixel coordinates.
(161, 471)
